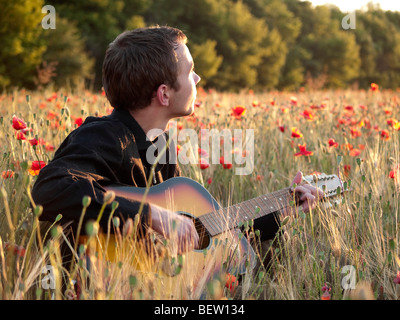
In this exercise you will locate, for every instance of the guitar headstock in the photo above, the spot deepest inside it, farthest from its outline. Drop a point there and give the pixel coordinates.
(331, 184)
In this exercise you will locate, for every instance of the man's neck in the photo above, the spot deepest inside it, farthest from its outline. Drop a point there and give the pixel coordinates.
(150, 118)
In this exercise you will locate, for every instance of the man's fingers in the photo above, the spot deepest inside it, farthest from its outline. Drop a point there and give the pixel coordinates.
(305, 188)
(317, 192)
(298, 178)
(188, 237)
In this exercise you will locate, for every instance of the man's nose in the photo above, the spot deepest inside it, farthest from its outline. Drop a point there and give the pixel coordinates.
(196, 78)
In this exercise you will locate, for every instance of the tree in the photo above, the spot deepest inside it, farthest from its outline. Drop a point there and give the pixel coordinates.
(100, 21)
(22, 47)
(238, 41)
(66, 50)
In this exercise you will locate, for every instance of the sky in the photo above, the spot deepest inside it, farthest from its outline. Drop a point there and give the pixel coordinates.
(351, 5)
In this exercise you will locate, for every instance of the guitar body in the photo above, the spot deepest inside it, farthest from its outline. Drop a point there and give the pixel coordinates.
(180, 276)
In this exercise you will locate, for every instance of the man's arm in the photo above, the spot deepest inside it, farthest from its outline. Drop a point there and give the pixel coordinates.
(85, 162)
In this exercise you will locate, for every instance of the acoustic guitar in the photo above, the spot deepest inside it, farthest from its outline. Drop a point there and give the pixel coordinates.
(222, 248)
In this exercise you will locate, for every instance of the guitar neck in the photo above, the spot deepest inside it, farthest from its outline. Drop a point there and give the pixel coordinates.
(222, 220)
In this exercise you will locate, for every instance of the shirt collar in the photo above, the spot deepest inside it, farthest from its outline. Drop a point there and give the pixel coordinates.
(126, 118)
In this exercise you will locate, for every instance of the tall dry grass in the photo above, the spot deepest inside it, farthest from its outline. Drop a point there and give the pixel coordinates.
(360, 230)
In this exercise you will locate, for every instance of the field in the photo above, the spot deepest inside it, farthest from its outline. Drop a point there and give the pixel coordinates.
(353, 134)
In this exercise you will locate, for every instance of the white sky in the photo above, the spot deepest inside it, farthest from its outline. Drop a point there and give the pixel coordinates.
(351, 5)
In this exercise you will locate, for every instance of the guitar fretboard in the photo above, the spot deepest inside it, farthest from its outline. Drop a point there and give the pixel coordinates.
(231, 217)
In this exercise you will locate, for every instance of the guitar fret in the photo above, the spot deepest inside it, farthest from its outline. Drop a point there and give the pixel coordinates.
(209, 219)
(275, 201)
(216, 218)
(247, 211)
(271, 205)
(232, 219)
(206, 222)
(262, 207)
(282, 196)
(267, 203)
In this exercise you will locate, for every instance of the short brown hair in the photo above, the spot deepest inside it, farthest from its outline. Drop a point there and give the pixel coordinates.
(137, 62)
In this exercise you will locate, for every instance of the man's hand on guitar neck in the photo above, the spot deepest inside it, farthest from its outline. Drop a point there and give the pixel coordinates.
(185, 232)
(307, 195)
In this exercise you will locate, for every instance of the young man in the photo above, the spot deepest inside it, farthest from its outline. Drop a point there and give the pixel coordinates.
(149, 79)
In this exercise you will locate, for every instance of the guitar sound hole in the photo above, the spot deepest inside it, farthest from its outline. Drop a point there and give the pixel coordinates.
(204, 236)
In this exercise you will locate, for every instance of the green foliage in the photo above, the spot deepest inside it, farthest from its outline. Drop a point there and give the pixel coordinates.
(207, 60)
(65, 48)
(21, 46)
(258, 44)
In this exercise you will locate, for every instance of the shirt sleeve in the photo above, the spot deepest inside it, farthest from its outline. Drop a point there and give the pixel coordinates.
(85, 162)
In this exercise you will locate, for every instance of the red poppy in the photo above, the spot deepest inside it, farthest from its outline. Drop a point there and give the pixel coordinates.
(392, 174)
(349, 108)
(393, 123)
(78, 121)
(202, 152)
(333, 143)
(18, 123)
(374, 87)
(282, 128)
(395, 173)
(17, 250)
(347, 146)
(238, 112)
(354, 152)
(347, 169)
(203, 163)
(355, 133)
(231, 282)
(33, 142)
(53, 97)
(36, 167)
(49, 147)
(384, 135)
(307, 114)
(225, 165)
(20, 135)
(326, 293)
(7, 174)
(296, 133)
(303, 151)
(387, 111)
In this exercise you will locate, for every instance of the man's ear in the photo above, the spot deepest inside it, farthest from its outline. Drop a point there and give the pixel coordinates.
(163, 95)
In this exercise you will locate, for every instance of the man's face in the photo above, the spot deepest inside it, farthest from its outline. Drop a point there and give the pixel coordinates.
(182, 100)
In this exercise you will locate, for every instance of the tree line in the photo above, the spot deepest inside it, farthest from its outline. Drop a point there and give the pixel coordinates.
(257, 44)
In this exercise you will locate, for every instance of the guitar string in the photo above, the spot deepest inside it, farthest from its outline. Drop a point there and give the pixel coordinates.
(208, 217)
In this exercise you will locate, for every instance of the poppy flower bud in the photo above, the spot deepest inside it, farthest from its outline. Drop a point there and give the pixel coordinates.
(86, 201)
(109, 197)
